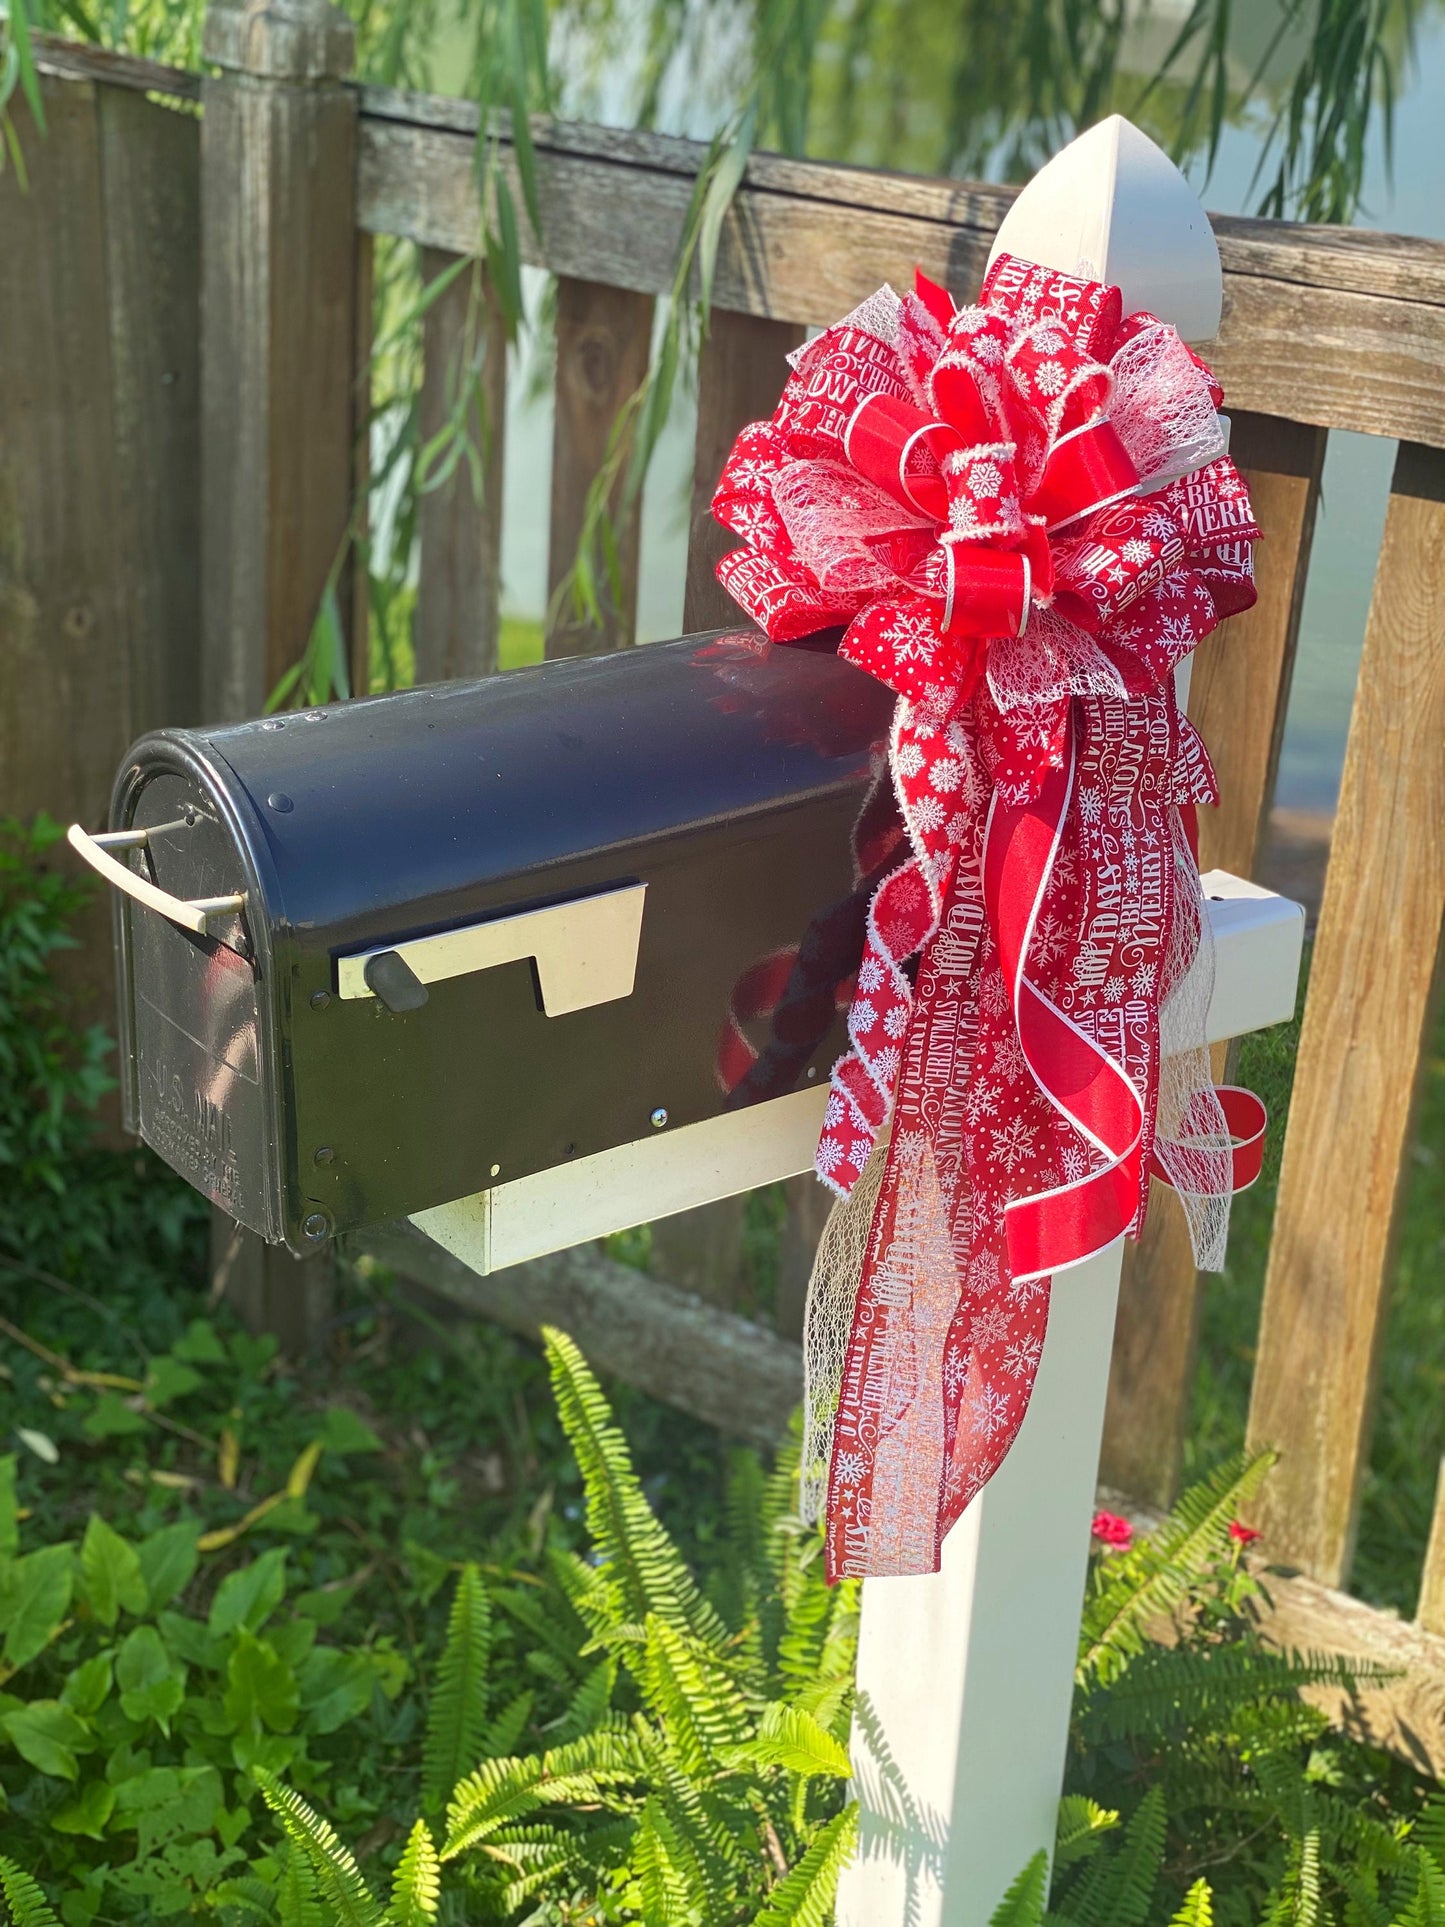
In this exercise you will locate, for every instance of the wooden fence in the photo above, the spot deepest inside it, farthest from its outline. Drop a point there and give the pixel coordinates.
(183, 357)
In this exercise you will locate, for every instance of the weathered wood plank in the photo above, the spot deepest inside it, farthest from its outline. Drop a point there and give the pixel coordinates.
(1430, 1612)
(1366, 261)
(1364, 1027)
(277, 296)
(1240, 687)
(1238, 696)
(740, 375)
(701, 1251)
(669, 1344)
(150, 179)
(1308, 333)
(278, 361)
(458, 588)
(66, 631)
(604, 337)
(356, 580)
(77, 60)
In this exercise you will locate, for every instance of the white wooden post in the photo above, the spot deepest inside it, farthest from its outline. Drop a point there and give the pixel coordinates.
(965, 1676)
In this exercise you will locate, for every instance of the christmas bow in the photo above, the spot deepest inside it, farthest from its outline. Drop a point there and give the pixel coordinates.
(1024, 513)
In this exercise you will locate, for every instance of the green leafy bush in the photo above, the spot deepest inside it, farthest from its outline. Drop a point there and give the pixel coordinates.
(1202, 1790)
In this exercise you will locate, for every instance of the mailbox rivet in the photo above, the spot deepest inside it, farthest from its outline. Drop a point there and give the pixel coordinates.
(659, 1118)
(320, 999)
(316, 1224)
(324, 1154)
(279, 801)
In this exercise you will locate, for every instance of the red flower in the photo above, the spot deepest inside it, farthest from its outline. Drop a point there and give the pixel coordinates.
(1243, 1535)
(1111, 1530)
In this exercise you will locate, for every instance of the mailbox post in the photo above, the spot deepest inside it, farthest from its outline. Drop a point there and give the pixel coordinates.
(464, 955)
(965, 1676)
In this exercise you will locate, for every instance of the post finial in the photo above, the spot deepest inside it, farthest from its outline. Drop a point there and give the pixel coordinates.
(1114, 206)
(297, 40)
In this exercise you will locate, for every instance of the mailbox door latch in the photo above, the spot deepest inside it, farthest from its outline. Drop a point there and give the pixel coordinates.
(585, 952)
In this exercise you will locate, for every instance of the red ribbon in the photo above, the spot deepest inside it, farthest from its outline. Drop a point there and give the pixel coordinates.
(977, 492)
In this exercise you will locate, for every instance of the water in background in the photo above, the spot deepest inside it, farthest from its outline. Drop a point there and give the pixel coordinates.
(1356, 479)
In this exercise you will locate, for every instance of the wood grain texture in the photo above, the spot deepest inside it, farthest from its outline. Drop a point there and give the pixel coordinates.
(98, 467)
(278, 368)
(1335, 332)
(1340, 328)
(1370, 999)
(66, 633)
(278, 289)
(604, 338)
(1237, 696)
(701, 1251)
(740, 375)
(1430, 1612)
(1151, 1372)
(720, 1368)
(356, 577)
(459, 585)
(150, 179)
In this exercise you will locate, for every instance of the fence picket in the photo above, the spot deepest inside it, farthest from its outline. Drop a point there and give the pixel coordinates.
(604, 336)
(356, 583)
(458, 585)
(1360, 1049)
(1238, 696)
(740, 376)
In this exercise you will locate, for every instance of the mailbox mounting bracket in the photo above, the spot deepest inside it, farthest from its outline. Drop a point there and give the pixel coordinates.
(585, 951)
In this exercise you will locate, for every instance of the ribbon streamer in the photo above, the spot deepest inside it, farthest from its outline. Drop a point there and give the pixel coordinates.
(1023, 512)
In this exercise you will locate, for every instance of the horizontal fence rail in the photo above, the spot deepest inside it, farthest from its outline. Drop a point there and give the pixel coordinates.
(1323, 328)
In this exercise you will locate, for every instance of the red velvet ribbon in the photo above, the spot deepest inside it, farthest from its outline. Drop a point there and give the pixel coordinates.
(1086, 470)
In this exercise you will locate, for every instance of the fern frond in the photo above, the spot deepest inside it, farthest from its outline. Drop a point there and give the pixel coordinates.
(1028, 1892)
(416, 1886)
(457, 1715)
(24, 1901)
(790, 1738)
(1427, 1903)
(1118, 1890)
(1198, 1907)
(670, 1881)
(506, 1728)
(1081, 1828)
(699, 1710)
(1428, 1832)
(337, 1874)
(804, 1896)
(589, 1704)
(1298, 1904)
(1156, 1575)
(642, 1563)
(500, 1791)
(1167, 1689)
(298, 1899)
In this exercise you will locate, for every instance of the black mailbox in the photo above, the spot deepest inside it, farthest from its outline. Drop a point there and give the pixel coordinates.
(378, 957)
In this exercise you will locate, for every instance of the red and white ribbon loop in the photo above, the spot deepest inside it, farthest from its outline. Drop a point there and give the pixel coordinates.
(1023, 513)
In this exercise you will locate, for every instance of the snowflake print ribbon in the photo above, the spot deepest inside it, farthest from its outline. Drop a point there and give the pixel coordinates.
(1024, 513)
